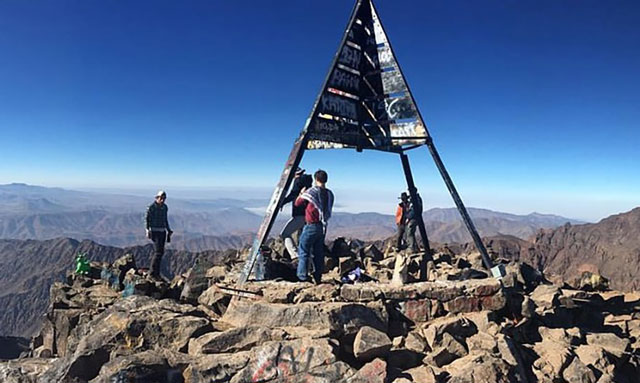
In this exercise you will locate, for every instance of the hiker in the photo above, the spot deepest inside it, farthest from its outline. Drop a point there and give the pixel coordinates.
(296, 223)
(413, 214)
(157, 228)
(401, 220)
(317, 202)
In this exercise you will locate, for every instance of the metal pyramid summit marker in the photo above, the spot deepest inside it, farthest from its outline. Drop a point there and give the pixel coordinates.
(365, 103)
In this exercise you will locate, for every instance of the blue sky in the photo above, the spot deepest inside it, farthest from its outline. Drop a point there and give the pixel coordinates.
(534, 105)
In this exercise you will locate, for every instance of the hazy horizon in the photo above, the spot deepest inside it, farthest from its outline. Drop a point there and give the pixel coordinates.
(378, 201)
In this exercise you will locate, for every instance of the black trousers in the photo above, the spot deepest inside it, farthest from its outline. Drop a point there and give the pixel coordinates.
(158, 238)
(411, 235)
(400, 237)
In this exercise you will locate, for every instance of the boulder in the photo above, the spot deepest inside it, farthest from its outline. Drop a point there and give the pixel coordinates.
(340, 318)
(554, 358)
(595, 356)
(446, 350)
(400, 270)
(214, 299)
(545, 296)
(320, 293)
(611, 343)
(415, 342)
(361, 292)
(482, 342)
(196, 281)
(215, 368)
(459, 326)
(372, 372)
(416, 310)
(481, 367)
(234, 340)
(422, 374)
(293, 361)
(146, 366)
(370, 343)
(578, 372)
(559, 335)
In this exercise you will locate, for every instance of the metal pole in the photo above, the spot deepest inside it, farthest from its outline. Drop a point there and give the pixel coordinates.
(272, 210)
(460, 205)
(413, 191)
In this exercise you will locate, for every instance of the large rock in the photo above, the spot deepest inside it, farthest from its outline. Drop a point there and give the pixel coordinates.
(216, 367)
(595, 356)
(545, 296)
(146, 366)
(459, 326)
(554, 358)
(422, 374)
(302, 360)
(372, 372)
(196, 280)
(482, 342)
(446, 350)
(234, 340)
(214, 299)
(611, 343)
(578, 372)
(370, 343)
(482, 367)
(341, 318)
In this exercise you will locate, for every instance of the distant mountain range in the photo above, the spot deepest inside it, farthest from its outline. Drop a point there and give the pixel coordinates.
(34, 212)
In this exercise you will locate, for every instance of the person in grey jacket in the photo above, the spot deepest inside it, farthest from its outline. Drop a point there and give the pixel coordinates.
(158, 230)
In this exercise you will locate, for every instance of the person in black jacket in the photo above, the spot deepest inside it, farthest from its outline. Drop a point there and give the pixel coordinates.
(415, 211)
(158, 230)
(296, 222)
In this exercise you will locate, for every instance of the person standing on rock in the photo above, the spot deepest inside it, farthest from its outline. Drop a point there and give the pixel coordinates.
(415, 211)
(296, 223)
(318, 203)
(158, 230)
(401, 220)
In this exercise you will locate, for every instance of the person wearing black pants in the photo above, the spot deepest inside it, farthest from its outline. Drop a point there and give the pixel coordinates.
(158, 230)
(401, 221)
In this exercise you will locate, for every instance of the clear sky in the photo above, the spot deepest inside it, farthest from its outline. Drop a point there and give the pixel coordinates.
(534, 105)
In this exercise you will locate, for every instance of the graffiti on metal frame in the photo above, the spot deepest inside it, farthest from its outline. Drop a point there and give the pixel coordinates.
(366, 103)
(276, 200)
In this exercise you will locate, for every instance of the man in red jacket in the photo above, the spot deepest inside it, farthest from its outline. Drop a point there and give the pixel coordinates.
(318, 203)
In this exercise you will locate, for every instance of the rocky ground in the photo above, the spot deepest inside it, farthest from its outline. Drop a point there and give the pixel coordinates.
(116, 325)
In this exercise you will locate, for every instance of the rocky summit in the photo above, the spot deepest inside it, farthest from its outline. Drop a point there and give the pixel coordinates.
(379, 324)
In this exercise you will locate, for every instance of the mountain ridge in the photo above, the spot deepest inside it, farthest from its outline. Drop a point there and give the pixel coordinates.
(117, 220)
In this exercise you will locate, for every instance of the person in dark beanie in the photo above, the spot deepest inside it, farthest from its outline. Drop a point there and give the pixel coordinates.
(415, 211)
(300, 181)
(317, 203)
(158, 230)
(401, 220)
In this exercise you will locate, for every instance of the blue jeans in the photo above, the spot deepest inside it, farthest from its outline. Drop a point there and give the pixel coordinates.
(311, 245)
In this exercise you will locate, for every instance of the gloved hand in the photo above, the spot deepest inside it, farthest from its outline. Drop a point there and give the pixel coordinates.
(148, 233)
(169, 236)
